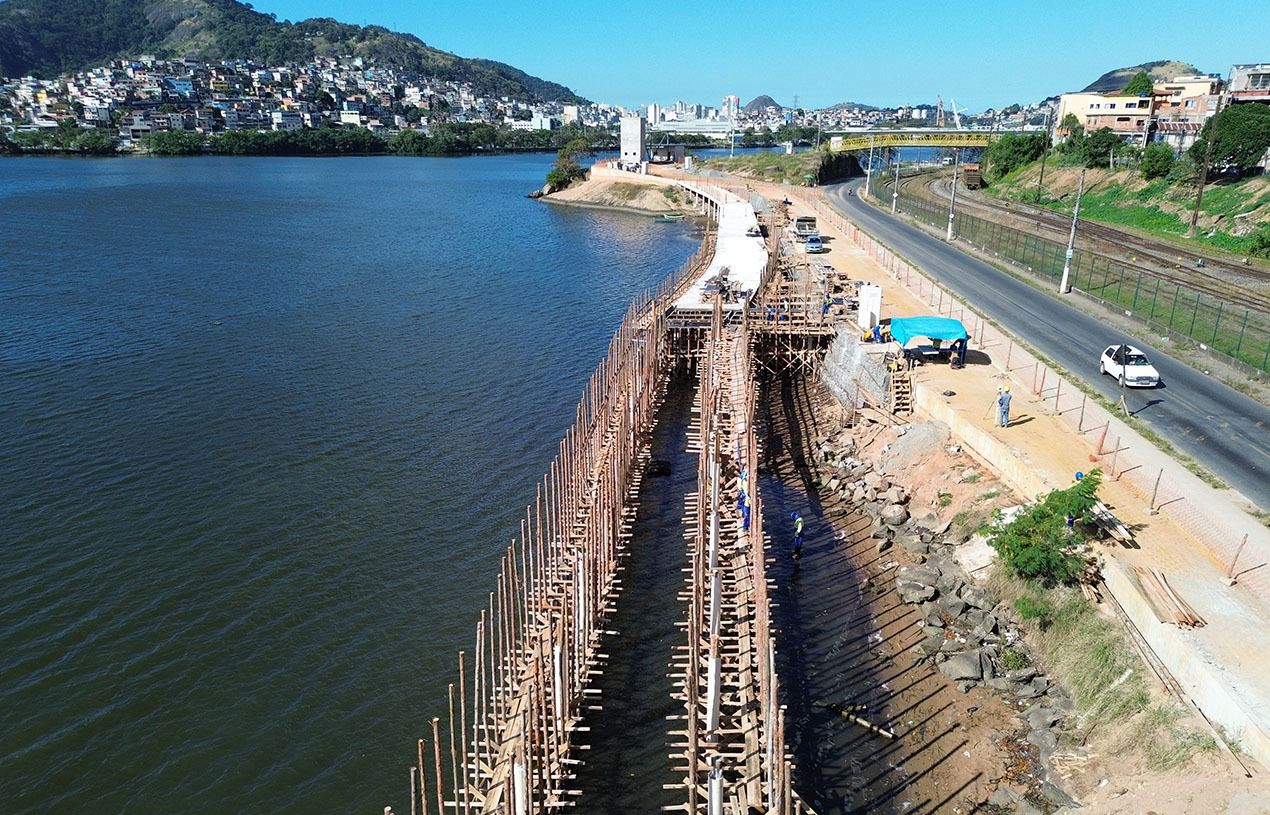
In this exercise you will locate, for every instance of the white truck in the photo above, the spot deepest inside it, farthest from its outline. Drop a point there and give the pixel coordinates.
(804, 225)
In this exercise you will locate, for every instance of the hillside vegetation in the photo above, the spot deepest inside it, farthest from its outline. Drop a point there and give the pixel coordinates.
(49, 37)
(821, 165)
(1231, 215)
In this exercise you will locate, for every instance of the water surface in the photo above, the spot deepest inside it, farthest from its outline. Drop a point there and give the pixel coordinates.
(264, 425)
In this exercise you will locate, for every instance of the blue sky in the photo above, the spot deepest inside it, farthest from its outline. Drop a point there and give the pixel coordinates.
(983, 54)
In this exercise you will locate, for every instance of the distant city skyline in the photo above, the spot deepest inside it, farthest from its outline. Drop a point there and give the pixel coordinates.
(823, 55)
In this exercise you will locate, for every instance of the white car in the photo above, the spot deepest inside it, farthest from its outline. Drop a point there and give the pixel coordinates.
(1129, 366)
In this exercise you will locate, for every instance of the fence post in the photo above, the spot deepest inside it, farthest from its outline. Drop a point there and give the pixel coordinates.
(1217, 322)
(1136, 287)
(1240, 342)
(1230, 575)
(1194, 314)
(1176, 291)
(1080, 422)
(1155, 491)
(1154, 298)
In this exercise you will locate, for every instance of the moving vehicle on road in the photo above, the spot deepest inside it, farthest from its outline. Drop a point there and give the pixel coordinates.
(1130, 366)
(813, 244)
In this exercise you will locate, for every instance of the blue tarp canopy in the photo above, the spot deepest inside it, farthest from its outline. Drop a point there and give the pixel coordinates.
(904, 329)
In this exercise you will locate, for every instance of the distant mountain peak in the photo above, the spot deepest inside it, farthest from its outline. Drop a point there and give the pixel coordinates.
(761, 103)
(1160, 70)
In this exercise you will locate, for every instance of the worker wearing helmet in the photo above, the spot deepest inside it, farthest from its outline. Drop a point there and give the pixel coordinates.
(1003, 407)
(798, 534)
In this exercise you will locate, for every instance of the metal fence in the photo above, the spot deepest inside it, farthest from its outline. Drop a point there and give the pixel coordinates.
(1229, 328)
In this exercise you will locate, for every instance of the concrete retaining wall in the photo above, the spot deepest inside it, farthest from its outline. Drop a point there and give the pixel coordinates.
(853, 369)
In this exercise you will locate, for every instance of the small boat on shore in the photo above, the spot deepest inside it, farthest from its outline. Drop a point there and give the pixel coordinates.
(672, 216)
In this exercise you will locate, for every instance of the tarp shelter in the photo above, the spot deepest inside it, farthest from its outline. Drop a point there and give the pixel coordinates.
(904, 329)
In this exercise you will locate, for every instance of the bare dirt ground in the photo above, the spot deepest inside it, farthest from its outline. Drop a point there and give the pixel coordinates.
(636, 196)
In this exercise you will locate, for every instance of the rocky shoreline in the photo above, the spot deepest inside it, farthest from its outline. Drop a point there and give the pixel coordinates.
(966, 632)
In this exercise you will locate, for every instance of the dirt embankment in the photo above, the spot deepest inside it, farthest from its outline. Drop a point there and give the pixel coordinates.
(643, 197)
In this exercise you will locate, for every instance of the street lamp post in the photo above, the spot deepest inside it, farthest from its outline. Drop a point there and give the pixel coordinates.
(1063, 287)
(952, 201)
(895, 193)
(868, 174)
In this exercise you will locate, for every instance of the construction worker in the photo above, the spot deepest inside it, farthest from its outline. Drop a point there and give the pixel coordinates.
(798, 534)
(824, 309)
(1003, 407)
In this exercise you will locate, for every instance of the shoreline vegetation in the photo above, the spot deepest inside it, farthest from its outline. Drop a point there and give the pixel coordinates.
(449, 139)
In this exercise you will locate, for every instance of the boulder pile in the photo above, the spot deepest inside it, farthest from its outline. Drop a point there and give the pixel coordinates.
(969, 637)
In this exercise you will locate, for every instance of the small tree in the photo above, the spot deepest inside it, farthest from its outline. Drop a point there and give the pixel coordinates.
(1243, 135)
(1157, 160)
(1140, 85)
(1097, 146)
(1040, 543)
(1071, 126)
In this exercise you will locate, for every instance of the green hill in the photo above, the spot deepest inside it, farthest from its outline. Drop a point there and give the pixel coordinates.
(49, 37)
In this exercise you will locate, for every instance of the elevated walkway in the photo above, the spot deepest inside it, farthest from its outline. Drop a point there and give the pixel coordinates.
(740, 258)
(863, 140)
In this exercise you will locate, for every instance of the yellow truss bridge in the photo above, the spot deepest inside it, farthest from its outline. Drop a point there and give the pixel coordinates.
(851, 142)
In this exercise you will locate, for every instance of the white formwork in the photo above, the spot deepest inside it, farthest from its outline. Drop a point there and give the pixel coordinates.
(744, 256)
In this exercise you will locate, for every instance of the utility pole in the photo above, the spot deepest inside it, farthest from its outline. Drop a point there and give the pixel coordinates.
(1045, 151)
(895, 193)
(952, 201)
(1063, 288)
(1203, 170)
(868, 174)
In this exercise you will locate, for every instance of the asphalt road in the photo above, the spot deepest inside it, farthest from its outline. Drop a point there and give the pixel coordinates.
(1224, 430)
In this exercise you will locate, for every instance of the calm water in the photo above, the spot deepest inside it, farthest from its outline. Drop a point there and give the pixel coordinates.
(264, 424)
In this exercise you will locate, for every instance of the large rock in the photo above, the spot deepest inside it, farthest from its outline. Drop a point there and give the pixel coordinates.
(919, 574)
(1039, 717)
(965, 665)
(875, 480)
(894, 514)
(977, 597)
(912, 592)
(1045, 741)
(896, 495)
(952, 605)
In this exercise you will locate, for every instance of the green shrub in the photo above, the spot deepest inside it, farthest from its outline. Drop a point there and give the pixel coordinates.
(1038, 544)
(1035, 607)
(1157, 160)
(1015, 659)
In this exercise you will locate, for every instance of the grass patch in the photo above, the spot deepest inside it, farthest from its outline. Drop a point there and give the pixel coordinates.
(973, 478)
(1166, 743)
(945, 499)
(627, 192)
(1090, 655)
(1015, 659)
(987, 496)
(968, 522)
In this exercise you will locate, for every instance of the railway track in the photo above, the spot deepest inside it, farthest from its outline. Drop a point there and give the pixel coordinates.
(1247, 286)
